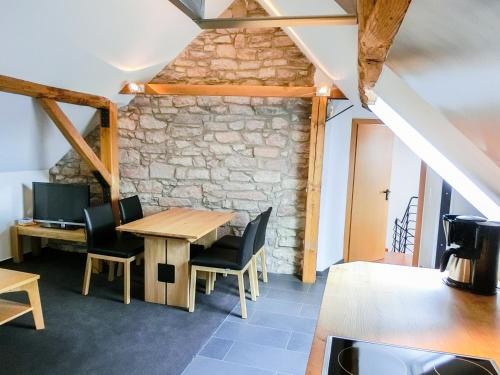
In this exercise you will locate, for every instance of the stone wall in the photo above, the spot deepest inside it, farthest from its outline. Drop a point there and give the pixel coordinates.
(239, 153)
(260, 56)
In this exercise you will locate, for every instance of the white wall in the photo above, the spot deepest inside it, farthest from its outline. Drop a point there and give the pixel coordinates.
(334, 189)
(16, 202)
(405, 176)
(430, 219)
(92, 46)
(460, 206)
(334, 183)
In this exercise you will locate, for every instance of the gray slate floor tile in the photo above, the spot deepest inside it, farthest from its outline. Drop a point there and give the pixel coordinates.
(310, 311)
(283, 322)
(209, 366)
(300, 342)
(216, 348)
(268, 358)
(253, 334)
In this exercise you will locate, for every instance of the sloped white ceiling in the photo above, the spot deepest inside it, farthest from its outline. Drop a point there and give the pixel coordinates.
(448, 51)
(92, 46)
(333, 49)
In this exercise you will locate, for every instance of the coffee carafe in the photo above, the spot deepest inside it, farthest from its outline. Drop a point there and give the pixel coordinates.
(460, 249)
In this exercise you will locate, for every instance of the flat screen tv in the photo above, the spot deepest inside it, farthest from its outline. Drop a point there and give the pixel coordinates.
(60, 204)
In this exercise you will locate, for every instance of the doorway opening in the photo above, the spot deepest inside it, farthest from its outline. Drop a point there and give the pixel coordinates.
(385, 197)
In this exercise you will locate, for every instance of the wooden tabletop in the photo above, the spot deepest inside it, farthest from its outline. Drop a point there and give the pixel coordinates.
(178, 223)
(404, 306)
(10, 279)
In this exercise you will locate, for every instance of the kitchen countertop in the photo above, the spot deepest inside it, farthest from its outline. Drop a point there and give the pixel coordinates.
(405, 306)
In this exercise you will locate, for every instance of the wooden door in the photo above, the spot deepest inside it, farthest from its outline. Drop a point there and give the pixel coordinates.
(371, 174)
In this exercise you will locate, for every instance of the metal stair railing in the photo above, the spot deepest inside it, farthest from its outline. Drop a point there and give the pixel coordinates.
(403, 238)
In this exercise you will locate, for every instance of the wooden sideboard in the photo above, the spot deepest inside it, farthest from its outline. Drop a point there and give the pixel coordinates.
(36, 233)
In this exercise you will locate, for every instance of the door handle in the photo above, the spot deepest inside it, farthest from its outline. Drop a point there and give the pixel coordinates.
(386, 192)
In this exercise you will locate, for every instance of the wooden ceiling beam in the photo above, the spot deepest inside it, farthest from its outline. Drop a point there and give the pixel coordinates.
(36, 90)
(72, 135)
(233, 90)
(378, 23)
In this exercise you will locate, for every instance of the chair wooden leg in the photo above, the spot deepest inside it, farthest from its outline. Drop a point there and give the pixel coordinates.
(253, 281)
(111, 271)
(208, 283)
(241, 287)
(86, 277)
(264, 266)
(34, 297)
(214, 277)
(126, 282)
(256, 276)
(119, 269)
(192, 291)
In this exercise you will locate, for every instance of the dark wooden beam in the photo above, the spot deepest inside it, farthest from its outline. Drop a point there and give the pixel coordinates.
(110, 154)
(379, 22)
(74, 138)
(36, 90)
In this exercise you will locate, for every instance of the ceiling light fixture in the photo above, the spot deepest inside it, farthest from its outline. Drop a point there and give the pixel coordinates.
(436, 160)
(323, 91)
(133, 88)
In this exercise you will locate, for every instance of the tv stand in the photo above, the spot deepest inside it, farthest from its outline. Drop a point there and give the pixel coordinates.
(60, 226)
(36, 232)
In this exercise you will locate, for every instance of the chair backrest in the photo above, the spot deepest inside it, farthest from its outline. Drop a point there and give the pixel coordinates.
(260, 236)
(247, 241)
(99, 224)
(130, 209)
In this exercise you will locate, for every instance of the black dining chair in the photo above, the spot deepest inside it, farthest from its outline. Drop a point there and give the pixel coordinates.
(130, 210)
(104, 243)
(216, 260)
(234, 242)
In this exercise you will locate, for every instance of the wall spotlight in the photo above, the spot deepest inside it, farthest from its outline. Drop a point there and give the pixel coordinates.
(323, 91)
(133, 88)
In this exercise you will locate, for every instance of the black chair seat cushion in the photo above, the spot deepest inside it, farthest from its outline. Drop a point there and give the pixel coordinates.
(120, 247)
(195, 250)
(218, 258)
(228, 242)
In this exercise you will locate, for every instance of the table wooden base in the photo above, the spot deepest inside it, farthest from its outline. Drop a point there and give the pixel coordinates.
(175, 252)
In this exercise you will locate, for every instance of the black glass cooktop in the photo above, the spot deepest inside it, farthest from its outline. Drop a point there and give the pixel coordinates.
(351, 357)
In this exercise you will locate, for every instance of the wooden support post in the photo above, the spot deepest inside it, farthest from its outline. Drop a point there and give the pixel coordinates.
(74, 137)
(316, 146)
(109, 152)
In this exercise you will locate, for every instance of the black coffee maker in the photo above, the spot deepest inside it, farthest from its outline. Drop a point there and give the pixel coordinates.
(471, 254)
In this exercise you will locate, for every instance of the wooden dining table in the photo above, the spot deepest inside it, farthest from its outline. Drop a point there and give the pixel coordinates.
(167, 239)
